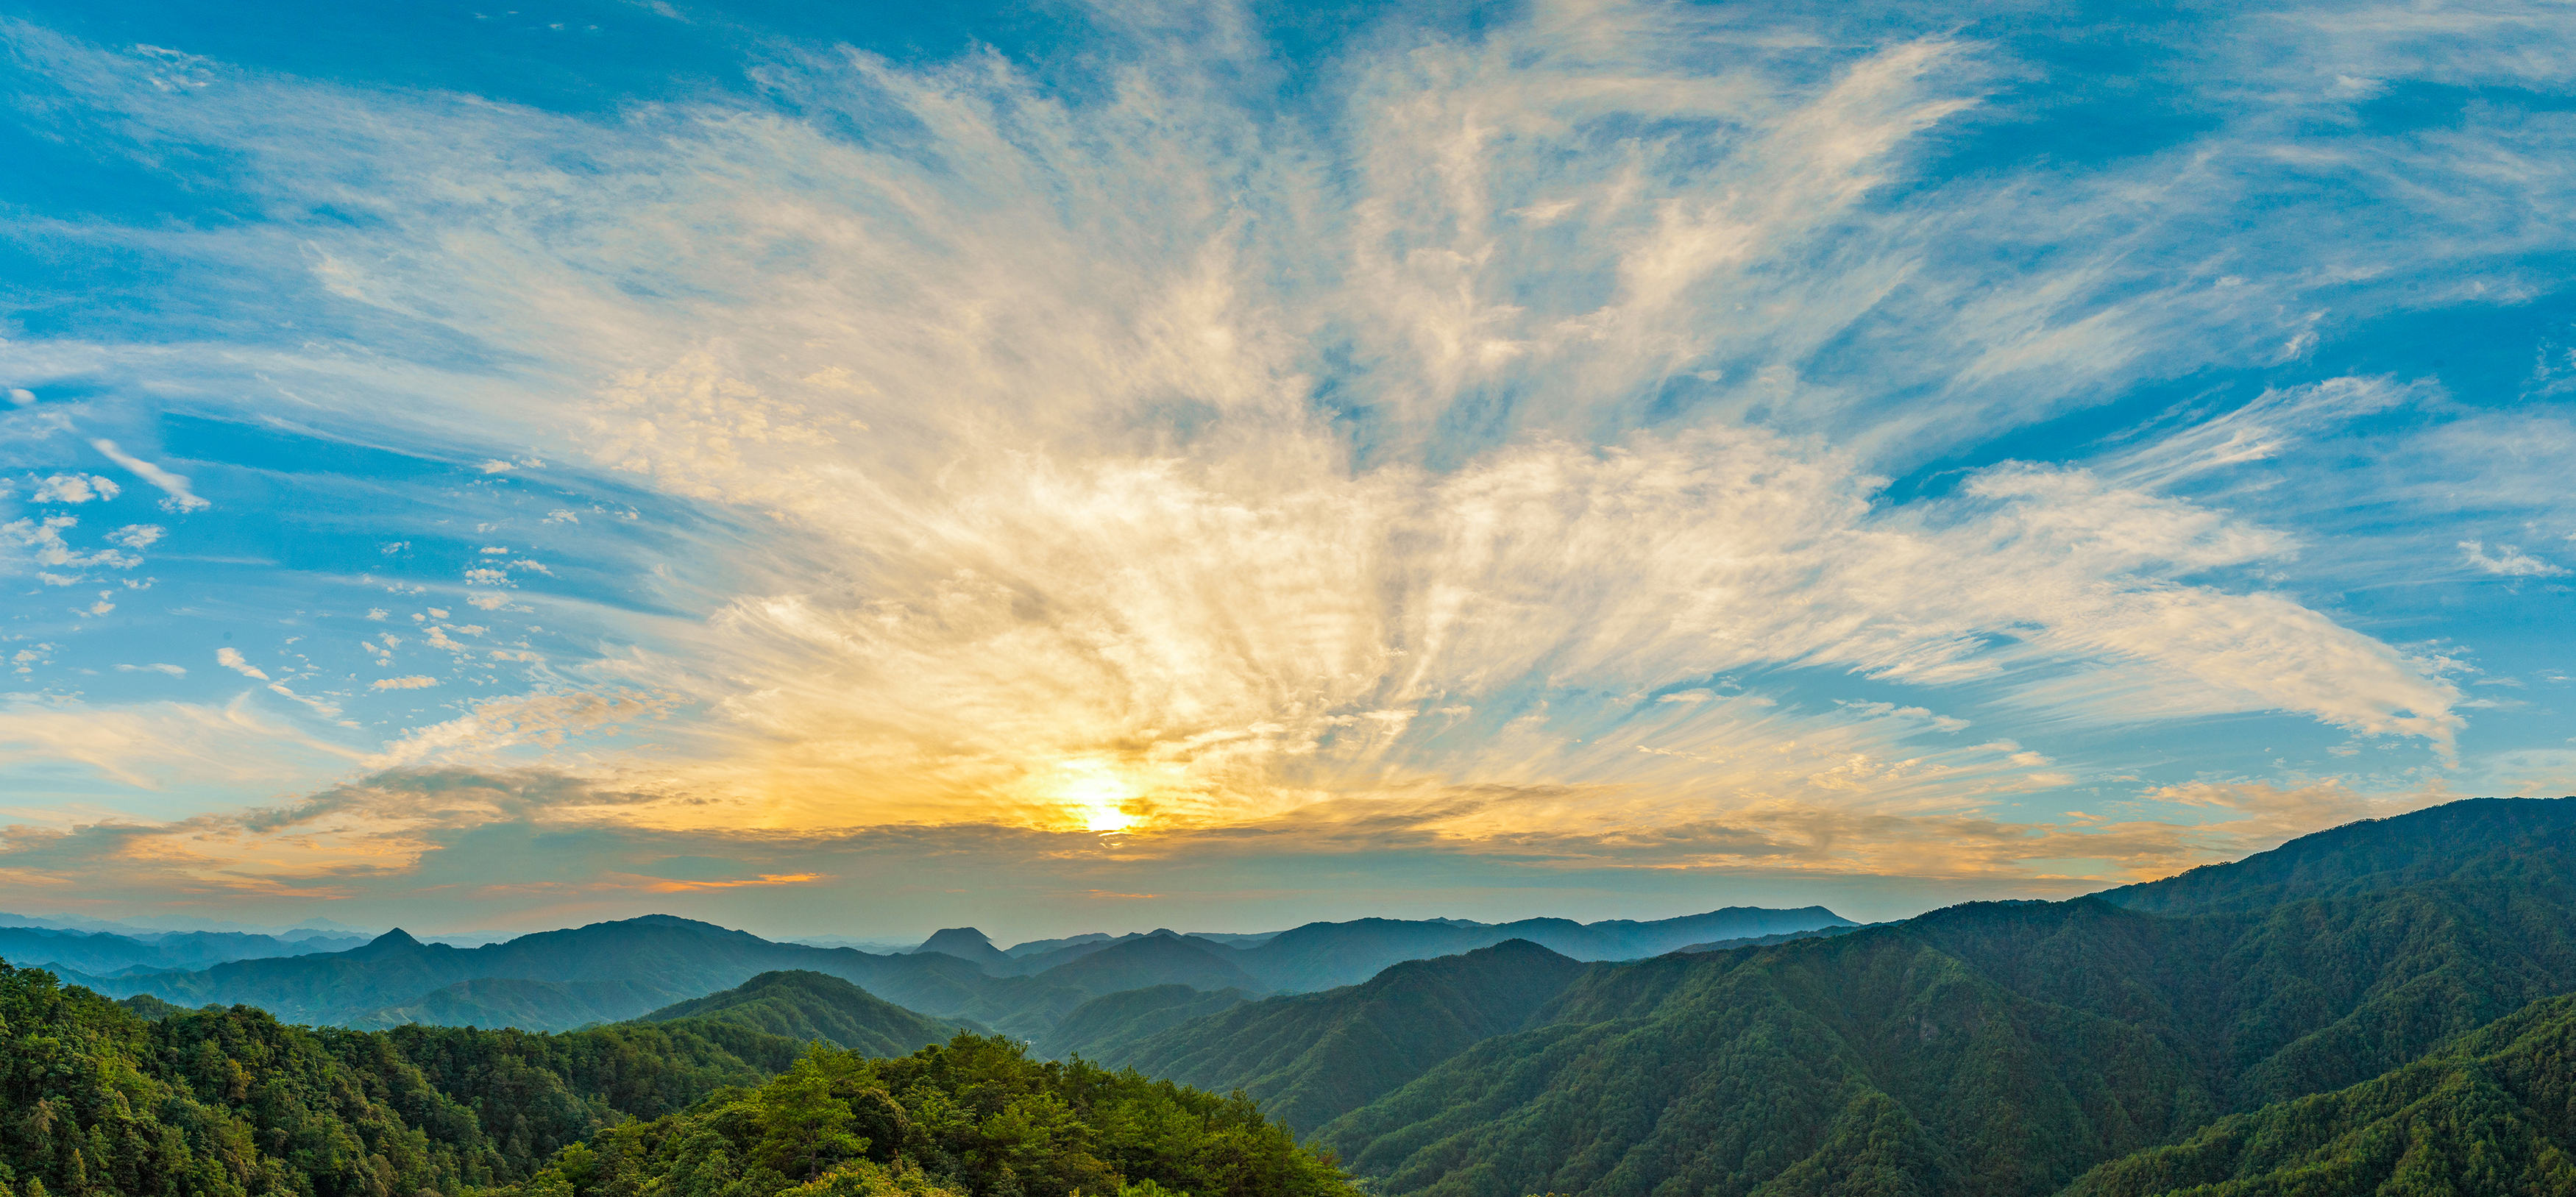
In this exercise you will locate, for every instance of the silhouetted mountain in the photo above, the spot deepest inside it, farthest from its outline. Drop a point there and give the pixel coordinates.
(965, 943)
(630, 967)
(2494, 1113)
(1038, 956)
(1312, 1057)
(2357, 858)
(1994, 1049)
(1110, 1023)
(100, 952)
(1761, 941)
(1161, 958)
(1036, 946)
(1327, 955)
(1232, 939)
(807, 1006)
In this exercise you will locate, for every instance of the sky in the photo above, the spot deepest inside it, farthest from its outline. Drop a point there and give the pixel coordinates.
(1059, 467)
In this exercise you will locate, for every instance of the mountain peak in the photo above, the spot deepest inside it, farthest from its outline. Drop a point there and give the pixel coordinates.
(964, 943)
(390, 943)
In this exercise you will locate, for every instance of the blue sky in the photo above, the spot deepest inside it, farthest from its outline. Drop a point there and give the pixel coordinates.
(1060, 467)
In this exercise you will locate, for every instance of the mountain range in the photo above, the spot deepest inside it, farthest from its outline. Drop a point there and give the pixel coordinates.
(2386, 1007)
(2002, 1048)
(1325, 955)
(610, 972)
(102, 952)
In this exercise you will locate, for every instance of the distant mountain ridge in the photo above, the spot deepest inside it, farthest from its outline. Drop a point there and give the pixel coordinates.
(1318, 956)
(602, 972)
(1160, 958)
(609, 972)
(104, 952)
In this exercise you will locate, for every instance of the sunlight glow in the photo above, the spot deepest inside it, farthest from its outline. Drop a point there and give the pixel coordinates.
(1095, 796)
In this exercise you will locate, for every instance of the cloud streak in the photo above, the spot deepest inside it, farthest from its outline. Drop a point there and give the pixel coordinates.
(1508, 439)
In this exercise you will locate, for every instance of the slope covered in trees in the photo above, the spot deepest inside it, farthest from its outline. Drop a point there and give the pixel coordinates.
(148, 1100)
(974, 1116)
(2494, 1113)
(1313, 1056)
(104, 1101)
(2002, 1048)
(2455, 841)
(527, 1005)
(1105, 1026)
(810, 1006)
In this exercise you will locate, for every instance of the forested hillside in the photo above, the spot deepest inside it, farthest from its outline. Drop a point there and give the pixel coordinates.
(2492, 1114)
(1310, 1057)
(101, 1100)
(810, 1006)
(508, 1002)
(2001, 1048)
(975, 1116)
(147, 1100)
(1101, 1028)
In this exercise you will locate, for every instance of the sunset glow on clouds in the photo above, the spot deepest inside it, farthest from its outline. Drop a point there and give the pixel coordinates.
(1609, 459)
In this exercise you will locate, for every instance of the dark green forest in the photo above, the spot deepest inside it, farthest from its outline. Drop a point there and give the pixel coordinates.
(2494, 1113)
(143, 1099)
(2001, 1049)
(101, 1099)
(975, 1115)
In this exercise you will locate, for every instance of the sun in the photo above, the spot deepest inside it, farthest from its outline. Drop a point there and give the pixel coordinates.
(1096, 797)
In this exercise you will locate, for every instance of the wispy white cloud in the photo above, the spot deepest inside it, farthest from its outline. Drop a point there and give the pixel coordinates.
(180, 498)
(1549, 369)
(154, 746)
(232, 659)
(39, 545)
(70, 488)
(2507, 560)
